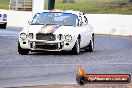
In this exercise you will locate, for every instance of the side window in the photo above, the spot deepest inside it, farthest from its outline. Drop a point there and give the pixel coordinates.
(80, 21)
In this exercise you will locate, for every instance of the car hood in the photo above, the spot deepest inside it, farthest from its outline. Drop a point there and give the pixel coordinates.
(65, 30)
(49, 29)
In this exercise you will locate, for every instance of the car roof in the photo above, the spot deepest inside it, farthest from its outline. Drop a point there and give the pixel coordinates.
(63, 11)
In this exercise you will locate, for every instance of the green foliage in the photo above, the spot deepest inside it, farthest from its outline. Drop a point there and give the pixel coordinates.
(89, 6)
(98, 8)
(4, 4)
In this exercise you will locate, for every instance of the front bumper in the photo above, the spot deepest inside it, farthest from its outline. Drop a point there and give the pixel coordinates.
(45, 45)
(3, 22)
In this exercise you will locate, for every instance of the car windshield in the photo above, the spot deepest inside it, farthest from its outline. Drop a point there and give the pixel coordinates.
(66, 19)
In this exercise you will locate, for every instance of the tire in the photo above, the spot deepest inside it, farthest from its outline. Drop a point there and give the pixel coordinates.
(90, 47)
(3, 26)
(76, 48)
(22, 51)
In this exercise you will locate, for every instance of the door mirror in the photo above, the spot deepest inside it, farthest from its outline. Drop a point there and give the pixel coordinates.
(29, 22)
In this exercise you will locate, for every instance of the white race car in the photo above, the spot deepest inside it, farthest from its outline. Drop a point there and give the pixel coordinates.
(57, 31)
(3, 20)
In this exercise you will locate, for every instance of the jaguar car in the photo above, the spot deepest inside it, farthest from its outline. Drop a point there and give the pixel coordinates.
(57, 31)
(3, 20)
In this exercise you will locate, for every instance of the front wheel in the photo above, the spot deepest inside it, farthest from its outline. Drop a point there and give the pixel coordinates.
(90, 47)
(22, 51)
(76, 48)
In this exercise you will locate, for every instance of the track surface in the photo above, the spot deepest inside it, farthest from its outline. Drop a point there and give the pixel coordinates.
(112, 54)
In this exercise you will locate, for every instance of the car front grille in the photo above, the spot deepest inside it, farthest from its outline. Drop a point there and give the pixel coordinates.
(48, 46)
(47, 37)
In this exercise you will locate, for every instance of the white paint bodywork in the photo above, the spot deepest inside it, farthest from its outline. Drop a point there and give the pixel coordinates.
(2, 19)
(85, 32)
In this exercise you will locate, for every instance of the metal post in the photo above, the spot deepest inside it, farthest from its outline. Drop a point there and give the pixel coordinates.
(10, 5)
(51, 4)
(24, 4)
(47, 4)
(16, 5)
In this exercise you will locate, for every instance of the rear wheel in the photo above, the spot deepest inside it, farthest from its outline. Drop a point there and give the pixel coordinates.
(76, 48)
(22, 51)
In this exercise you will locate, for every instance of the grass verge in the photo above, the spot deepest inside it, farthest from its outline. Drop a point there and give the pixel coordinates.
(88, 7)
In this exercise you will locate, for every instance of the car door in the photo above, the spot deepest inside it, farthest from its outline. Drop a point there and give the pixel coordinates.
(88, 31)
(82, 31)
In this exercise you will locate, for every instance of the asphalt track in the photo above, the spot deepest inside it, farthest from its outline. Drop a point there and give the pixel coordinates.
(112, 54)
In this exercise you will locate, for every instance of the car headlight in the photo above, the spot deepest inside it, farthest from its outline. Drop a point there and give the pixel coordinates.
(23, 36)
(30, 35)
(60, 37)
(68, 38)
(4, 16)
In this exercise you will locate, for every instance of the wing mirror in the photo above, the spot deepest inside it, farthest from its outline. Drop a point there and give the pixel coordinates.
(29, 22)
